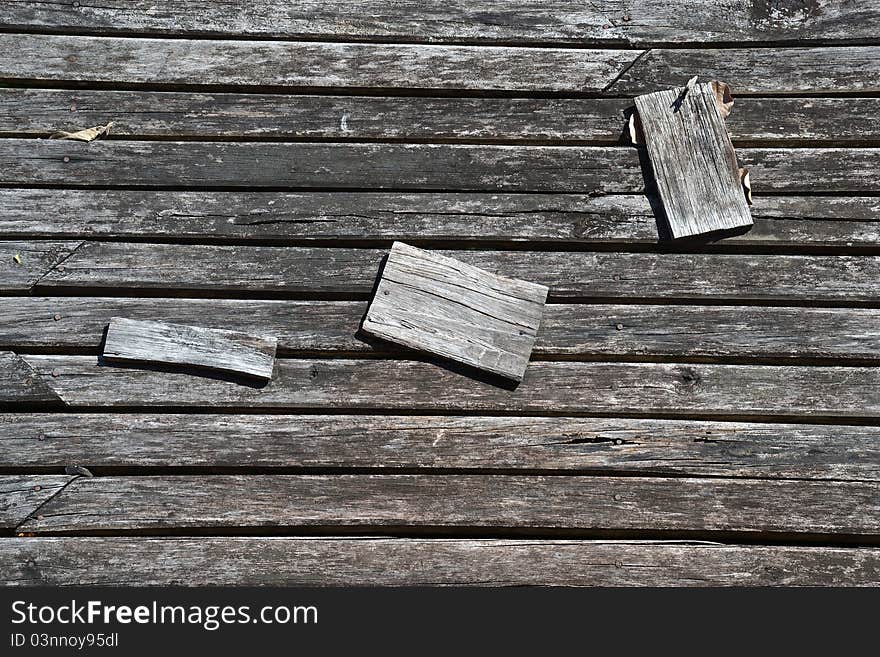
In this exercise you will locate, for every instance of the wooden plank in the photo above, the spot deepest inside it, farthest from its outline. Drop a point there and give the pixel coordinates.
(571, 331)
(460, 502)
(693, 161)
(844, 222)
(481, 21)
(109, 443)
(229, 561)
(22, 495)
(317, 65)
(757, 70)
(141, 341)
(428, 167)
(19, 383)
(549, 388)
(443, 306)
(353, 272)
(23, 263)
(307, 64)
(144, 114)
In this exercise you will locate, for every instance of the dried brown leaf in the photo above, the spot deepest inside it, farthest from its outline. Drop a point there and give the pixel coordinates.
(88, 134)
(723, 97)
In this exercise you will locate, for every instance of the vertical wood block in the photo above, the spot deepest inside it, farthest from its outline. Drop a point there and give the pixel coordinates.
(694, 161)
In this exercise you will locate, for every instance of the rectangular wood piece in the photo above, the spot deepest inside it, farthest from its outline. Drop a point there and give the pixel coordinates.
(130, 340)
(693, 160)
(437, 304)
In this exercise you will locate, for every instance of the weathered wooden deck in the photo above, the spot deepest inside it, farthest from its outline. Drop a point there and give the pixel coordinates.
(695, 413)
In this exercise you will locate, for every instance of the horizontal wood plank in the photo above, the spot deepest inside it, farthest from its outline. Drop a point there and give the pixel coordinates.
(322, 65)
(143, 114)
(22, 495)
(113, 443)
(20, 384)
(711, 391)
(481, 21)
(434, 167)
(23, 263)
(353, 272)
(567, 330)
(789, 221)
(460, 502)
(207, 561)
(307, 64)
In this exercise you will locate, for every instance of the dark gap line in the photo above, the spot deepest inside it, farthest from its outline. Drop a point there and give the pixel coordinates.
(429, 531)
(152, 409)
(402, 92)
(403, 355)
(269, 471)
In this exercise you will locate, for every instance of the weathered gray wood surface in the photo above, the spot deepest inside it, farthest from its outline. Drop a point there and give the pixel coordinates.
(209, 561)
(309, 64)
(652, 389)
(572, 331)
(22, 495)
(481, 21)
(62, 58)
(353, 272)
(693, 161)
(433, 303)
(430, 167)
(500, 502)
(23, 263)
(144, 341)
(20, 384)
(805, 222)
(108, 443)
(143, 114)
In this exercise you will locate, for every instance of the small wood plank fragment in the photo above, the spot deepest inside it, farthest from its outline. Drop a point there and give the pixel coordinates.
(131, 340)
(440, 305)
(693, 160)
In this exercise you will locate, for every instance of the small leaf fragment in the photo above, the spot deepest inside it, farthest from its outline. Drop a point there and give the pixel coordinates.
(17, 258)
(88, 134)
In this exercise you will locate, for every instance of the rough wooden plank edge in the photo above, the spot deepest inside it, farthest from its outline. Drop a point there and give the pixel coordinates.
(351, 272)
(440, 305)
(420, 562)
(151, 342)
(170, 115)
(110, 443)
(693, 161)
(22, 495)
(377, 503)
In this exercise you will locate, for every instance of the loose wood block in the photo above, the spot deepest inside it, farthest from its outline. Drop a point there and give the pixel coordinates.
(158, 342)
(693, 160)
(437, 304)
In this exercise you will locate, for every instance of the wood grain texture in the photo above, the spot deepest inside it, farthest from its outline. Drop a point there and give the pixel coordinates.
(661, 389)
(501, 502)
(307, 64)
(353, 272)
(141, 341)
(20, 384)
(296, 65)
(427, 167)
(765, 71)
(693, 161)
(144, 114)
(22, 495)
(433, 303)
(780, 221)
(571, 331)
(114, 443)
(481, 21)
(22, 264)
(207, 561)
